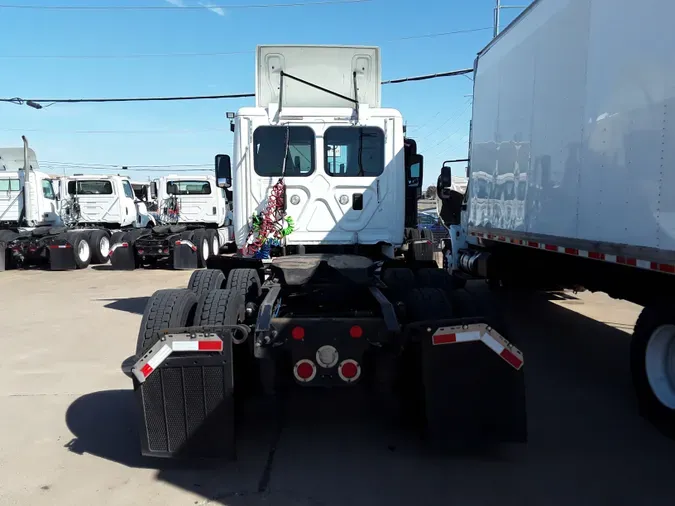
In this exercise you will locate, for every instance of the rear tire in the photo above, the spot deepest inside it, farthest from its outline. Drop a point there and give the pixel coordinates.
(653, 366)
(167, 308)
(99, 242)
(201, 240)
(226, 307)
(81, 250)
(214, 242)
(245, 282)
(202, 282)
(398, 279)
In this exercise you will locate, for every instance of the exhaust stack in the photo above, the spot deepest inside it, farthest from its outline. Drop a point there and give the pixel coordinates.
(29, 218)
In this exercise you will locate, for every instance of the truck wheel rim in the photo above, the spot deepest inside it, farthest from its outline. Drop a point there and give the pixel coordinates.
(215, 246)
(83, 251)
(660, 364)
(104, 246)
(205, 249)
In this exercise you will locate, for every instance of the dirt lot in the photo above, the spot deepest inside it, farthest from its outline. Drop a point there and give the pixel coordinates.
(67, 429)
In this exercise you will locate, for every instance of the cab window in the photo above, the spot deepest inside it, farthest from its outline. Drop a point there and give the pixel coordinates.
(354, 151)
(9, 185)
(48, 189)
(128, 190)
(269, 144)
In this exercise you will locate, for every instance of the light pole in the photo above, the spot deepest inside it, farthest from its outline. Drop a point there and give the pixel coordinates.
(497, 10)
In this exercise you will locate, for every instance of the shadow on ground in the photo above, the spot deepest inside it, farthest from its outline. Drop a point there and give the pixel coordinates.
(135, 305)
(587, 445)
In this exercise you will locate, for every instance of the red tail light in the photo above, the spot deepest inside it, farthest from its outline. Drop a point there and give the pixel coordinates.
(304, 370)
(356, 331)
(298, 333)
(349, 370)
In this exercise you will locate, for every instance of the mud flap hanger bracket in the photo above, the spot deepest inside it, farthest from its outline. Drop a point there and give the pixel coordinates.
(465, 330)
(186, 339)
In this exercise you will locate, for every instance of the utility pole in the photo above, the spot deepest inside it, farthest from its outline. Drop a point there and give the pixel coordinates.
(497, 11)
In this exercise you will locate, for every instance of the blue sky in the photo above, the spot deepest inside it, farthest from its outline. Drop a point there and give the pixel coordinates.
(437, 111)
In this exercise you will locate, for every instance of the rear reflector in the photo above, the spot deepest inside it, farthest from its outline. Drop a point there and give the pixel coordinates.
(298, 333)
(356, 332)
(304, 370)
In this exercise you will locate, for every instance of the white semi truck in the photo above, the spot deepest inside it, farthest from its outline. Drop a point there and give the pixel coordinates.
(325, 189)
(574, 103)
(194, 218)
(32, 230)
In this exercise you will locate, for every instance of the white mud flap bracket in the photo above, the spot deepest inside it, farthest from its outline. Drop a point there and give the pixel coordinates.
(170, 343)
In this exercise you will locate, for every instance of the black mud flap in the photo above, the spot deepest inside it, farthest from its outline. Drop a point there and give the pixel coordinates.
(123, 256)
(187, 403)
(3, 252)
(184, 256)
(61, 255)
(474, 387)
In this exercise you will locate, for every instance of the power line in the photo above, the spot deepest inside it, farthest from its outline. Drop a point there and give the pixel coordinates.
(119, 166)
(175, 7)
(113, 132)
(208, 54)
(37, 101)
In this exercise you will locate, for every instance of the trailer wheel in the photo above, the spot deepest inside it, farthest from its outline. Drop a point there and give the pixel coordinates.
(201, 240)
(99, 242)
(653, 366)
(166, 309)
(245, 282)
(204, 281)
(81, 250)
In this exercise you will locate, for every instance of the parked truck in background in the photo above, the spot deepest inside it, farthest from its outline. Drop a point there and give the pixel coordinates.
(572, 169)
(194, 223)
(32, 231)
(323, 292)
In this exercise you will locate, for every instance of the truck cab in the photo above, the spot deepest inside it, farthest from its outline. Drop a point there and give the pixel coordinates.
(44, 203)
(102, 200)
(319, 126)
(193, 199)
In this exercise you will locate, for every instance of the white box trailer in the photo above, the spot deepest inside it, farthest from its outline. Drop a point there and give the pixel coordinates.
(572, 168)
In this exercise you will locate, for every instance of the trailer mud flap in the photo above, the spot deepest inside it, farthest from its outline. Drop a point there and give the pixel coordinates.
(474, 388)
(61, 255)
(122, 256)
(184, 255)
(184, 386)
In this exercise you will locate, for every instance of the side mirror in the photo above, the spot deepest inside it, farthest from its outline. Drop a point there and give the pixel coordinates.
(416, 172)
(445, 179)
(153, 190)
(223, 171)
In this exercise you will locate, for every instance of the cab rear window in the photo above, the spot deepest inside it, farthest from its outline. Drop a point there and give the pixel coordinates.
(354, 151)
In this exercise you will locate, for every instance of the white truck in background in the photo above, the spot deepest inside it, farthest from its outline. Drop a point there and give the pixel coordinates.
(572, 169)
(32, 231)
(195, 223)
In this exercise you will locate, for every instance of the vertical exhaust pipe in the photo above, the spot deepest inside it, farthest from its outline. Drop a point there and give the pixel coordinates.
(29, 218)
